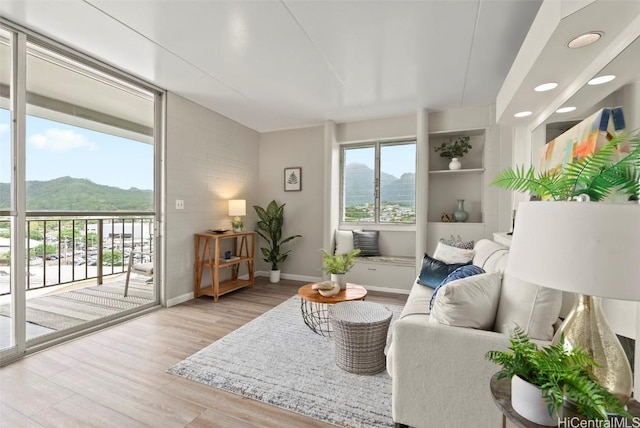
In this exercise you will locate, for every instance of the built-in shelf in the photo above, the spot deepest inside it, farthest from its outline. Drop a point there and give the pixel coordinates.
(455, 223)
(458, 171)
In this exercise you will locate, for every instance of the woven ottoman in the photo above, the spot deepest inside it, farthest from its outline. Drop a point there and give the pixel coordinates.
(360, 335)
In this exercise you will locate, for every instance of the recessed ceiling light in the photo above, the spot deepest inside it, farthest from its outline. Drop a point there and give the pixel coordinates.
(546, 87)
(601, 79)
(522, 114)
(565, 109)
(585, 39)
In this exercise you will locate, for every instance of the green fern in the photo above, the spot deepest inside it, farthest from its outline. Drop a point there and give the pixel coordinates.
(596, 174)
(559, 373)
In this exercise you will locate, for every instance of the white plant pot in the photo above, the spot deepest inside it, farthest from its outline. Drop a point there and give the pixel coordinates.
(455, 164)
(527, 400)
(340, 278)
(274, 276)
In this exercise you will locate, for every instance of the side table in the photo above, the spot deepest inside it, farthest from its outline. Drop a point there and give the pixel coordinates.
(501, 391)
(207, 256)
(315, 307)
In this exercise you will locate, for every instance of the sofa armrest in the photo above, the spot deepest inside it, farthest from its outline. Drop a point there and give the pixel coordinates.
(440, 375)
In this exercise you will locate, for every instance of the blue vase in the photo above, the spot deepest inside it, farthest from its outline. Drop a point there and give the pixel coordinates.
(460, 215)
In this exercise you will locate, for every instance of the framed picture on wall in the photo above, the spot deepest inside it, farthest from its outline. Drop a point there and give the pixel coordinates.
(293, 179)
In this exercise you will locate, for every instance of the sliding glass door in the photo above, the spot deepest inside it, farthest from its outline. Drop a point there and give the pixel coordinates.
(79, 176)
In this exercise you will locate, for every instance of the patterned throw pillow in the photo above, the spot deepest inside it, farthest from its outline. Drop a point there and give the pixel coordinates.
(433, 271)
(458, 242)
(367, 242)
(461, 272)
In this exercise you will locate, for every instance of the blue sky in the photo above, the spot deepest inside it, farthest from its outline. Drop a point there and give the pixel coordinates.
(396, 159)
(57, 150)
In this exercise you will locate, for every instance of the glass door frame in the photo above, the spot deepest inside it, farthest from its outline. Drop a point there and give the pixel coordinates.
(18, 214)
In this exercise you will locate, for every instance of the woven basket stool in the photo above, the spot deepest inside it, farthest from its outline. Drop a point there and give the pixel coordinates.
(359, 336)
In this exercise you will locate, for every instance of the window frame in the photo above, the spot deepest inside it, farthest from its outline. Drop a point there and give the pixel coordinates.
(377, 146)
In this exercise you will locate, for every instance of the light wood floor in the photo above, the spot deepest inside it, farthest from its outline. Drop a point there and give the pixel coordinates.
(117, 377)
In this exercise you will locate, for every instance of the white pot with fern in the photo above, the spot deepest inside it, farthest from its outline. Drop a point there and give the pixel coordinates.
(337, 265)
(542, 379)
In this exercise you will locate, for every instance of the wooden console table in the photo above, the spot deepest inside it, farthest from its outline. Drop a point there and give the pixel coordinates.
(207, 255)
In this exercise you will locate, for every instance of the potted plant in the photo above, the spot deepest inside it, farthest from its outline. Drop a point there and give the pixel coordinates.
(270, 229)
(454, 150)
(337, 265)
(555, 374)
(595, 175)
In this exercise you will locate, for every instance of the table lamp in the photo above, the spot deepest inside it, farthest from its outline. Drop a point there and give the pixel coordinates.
(591, 249)
(237, 209)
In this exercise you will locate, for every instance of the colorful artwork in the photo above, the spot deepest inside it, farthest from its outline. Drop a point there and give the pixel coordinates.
(586, 137)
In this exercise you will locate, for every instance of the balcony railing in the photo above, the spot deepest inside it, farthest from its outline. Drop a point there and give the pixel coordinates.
(67, 248)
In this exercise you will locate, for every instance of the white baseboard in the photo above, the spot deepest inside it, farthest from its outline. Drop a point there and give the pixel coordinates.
(179, 299)
(292, 277)
(188, 296)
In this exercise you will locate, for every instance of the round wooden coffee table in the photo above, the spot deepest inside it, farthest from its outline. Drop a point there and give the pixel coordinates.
(315, 307)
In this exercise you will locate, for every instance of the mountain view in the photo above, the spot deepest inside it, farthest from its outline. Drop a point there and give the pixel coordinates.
(359, 186)
(397, 195)
(77, 194)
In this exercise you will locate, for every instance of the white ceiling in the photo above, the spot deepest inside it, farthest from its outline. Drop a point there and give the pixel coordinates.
(285, 64)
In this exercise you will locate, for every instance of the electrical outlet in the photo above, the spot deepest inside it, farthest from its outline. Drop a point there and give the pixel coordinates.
(179, 204)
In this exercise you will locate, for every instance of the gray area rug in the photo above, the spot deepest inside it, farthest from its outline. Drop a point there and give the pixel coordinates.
(276, 359)
(71, 308)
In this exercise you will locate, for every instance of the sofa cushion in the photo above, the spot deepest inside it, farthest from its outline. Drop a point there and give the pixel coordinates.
(490, 256)
(367, 242)
(449, 254)
(535, 309)
(344, 241)
(433, 271)
(461, 272)
(468, 302)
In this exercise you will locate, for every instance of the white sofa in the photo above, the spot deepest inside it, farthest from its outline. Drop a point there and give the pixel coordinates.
(440, 375)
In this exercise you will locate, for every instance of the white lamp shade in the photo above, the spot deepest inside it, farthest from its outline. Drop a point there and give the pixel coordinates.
(591, 248)
(237, 207)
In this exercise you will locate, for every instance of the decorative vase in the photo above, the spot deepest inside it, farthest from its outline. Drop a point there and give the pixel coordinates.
(340, 279)
(274, 276)
(455, 164)
(460, 215)
(527, 400)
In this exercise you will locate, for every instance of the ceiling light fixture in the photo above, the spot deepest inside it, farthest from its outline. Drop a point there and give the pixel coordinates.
(585, 39)
(601, 79)
(523, 114)
(546, 87)
(565, 109)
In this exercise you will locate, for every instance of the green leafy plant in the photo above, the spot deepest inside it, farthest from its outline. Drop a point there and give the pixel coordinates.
(270, 229)
(338, 263)
(558, 372)
(454, 149)
(596, 175)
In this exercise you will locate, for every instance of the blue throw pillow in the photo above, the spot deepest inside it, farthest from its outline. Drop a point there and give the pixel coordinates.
(433, 271)
(461, 272)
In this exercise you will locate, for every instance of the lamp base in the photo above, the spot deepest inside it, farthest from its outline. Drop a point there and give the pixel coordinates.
(587, 327)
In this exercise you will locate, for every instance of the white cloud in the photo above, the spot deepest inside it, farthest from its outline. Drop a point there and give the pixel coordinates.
(4, 128)
(60, 140)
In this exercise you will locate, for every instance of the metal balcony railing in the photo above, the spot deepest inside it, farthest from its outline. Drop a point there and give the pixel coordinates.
(67, 248)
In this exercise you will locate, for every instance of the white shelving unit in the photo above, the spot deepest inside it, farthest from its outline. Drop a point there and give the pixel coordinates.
(447, 186)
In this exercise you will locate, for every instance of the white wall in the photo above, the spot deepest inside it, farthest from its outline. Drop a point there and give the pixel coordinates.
(304, 210)
(209, 160)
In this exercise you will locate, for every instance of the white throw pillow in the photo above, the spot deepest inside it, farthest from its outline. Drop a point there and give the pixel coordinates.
(344, 241)
(468, 302)
(450, 255)
(535, 309)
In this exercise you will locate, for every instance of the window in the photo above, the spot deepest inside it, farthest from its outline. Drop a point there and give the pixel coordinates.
(379, 183)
